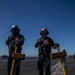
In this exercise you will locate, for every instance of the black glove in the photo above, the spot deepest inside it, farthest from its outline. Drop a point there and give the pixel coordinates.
(57, 45)
(17, 43)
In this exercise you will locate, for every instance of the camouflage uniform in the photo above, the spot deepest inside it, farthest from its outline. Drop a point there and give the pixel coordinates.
(11, 42)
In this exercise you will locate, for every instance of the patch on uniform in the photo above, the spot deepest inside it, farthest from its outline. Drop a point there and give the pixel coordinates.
(46, 42)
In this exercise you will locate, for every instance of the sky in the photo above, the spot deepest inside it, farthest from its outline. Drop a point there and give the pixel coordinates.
(58, 16)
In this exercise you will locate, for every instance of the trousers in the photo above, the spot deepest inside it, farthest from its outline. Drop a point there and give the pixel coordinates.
(16, 66)
(44, 65)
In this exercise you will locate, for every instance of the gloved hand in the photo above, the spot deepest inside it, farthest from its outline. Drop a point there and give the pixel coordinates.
(57, 45)
(16, 41)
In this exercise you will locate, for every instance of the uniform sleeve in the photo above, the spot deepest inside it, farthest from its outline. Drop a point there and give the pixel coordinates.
(36, 44)
(39, 41)
(52, 42)
(7, 41)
